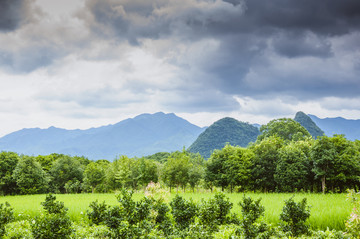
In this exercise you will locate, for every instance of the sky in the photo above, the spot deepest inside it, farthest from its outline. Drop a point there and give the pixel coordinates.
(87, 63)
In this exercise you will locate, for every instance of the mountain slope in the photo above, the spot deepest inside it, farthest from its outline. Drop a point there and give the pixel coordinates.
(339, 125)
(308, 124)
(143, 135)
(226, 130)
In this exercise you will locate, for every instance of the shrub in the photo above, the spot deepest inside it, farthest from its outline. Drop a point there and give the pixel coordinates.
(251, 212)
(91, 232)
(55, 223)
(353, 223)
(328, 234)
(6, 216)
(294, 216)
(98, 213)
(223, 206)
(208, 215)
(183, 211)
(18, 230)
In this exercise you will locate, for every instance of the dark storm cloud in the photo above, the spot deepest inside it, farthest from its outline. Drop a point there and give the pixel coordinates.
(253, 36)
(28, 59)
(12, 14)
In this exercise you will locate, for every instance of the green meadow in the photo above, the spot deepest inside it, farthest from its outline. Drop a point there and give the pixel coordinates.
(327, 211)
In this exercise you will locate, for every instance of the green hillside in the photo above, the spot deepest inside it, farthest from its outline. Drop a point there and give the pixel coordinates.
(226, 130)
(308, 124)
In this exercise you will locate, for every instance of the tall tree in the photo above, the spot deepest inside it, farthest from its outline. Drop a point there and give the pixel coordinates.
(266, 156)
(147, 171)
(285, 128)
(94, 175)
(8, 162)
(127, 172)
(176, 169)
(323, 153)
(293, 170)
(30, 177)
(63, 170)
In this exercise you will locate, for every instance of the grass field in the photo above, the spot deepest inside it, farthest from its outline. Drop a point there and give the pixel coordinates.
(330, 210)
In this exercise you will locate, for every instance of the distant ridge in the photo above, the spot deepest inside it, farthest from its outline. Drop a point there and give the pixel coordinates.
(226, 130)
(350, 128)
(140, 136)
(308, 124)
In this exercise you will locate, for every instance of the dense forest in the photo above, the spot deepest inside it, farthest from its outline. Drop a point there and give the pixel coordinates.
(284, 158)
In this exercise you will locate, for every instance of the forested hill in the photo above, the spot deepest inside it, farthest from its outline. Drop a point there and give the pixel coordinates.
(339, 125)
(143, 135)
(226, 130)
(308, 124)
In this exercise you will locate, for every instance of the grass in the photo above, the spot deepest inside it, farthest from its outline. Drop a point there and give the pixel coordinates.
(330, 210)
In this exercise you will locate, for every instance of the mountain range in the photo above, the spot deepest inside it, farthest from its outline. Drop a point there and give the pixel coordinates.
(147, 134)
(349, 128)
(140, 136)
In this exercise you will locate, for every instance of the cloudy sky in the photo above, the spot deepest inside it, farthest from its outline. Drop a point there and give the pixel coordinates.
(86, 63)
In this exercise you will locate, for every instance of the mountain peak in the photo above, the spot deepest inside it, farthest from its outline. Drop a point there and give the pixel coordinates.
(308, 124)
(139, 136)
(225, 130)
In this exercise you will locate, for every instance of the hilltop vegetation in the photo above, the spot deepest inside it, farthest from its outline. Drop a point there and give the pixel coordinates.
(226, 130)
(308, 124)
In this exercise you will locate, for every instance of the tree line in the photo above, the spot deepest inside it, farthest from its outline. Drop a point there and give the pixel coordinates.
(284, 158)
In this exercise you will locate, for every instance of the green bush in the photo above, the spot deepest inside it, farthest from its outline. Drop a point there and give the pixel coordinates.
(353, 223)
(98, 212)
(251, 212)
(183, 211)
(91, 232)
(18, 230)
(55, 223)
(328, 234)
(6, 216)
(294, 216)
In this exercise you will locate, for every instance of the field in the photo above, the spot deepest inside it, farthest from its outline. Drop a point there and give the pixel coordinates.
(330, 210)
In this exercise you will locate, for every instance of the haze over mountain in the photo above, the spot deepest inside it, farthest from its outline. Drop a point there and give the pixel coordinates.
(226, 130)
(350, 128)
(140, 136)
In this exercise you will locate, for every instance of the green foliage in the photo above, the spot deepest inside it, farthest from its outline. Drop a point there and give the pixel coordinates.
(91, 231)
(52, 206)
(128, 220)
(226, 130)
(328, 234)
(293, 169)
(98, 212)
(294, 216)
(215, 212)
(94, 174)
(63, 170)
(6, 216)
(183, 211)
(285, 128)
(230, 166)
(160, 156)
(73, 186)
(251, 212)
(125, 175)
(18, 230)
(176, 169)
(266, 156)
(147, 171)
(54, 223)
(8, 162)
(353, 223)
(29, 176)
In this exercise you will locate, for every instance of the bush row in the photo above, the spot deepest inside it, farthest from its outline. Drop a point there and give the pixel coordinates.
(153, 217)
